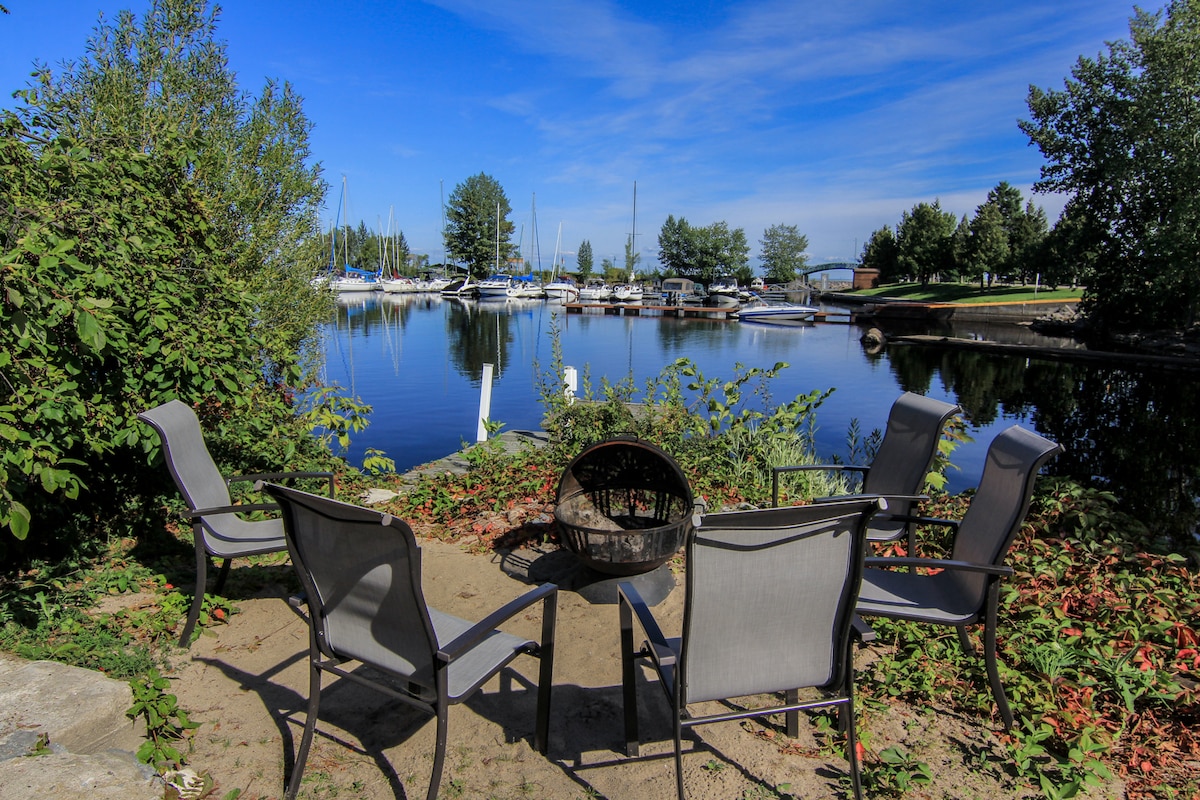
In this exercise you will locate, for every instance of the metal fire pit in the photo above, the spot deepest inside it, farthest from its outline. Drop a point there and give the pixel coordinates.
(624, 507)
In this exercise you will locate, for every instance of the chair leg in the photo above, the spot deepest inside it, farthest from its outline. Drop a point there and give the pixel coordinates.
(989, 656)
(964, 640)
(310, 725)
(222, 575)
(678, 754)
(629, 682)
(439, 754)
(792, 724)
(541, 736)
(852, 749)
(185, 638)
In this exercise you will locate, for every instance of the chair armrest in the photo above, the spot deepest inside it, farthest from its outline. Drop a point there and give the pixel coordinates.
(473, 635)
(938, 563)
(777, 471)
(948, 523)
(275, 477)
(242, 509)
(899, 498)
(660, 650)
(861, 630)
(828, 467)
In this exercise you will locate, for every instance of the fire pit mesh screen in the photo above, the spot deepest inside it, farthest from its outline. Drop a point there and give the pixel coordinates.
(624, 506)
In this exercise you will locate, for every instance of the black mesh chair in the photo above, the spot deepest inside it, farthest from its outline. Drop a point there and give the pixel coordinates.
(966, 587)
(217, 527)
(769, 608)
(904, 458)
(361, 574)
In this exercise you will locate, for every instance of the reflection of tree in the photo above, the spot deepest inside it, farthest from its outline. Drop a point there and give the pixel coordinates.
(676, 335)
(1128, 432)
(1137, 435)
(478, 334)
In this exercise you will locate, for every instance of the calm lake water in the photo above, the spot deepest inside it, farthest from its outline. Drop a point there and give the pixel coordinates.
(418, 360)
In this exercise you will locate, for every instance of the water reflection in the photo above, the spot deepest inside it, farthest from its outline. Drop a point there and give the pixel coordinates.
(418, 360)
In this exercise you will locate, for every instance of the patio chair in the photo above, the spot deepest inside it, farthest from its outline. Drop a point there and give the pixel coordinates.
(769, 608)
(217, 528)
(966, 587)
(898, 470)
(361, 574)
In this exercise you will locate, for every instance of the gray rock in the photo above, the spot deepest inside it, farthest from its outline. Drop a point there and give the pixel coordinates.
(80, 710)
(112, 775)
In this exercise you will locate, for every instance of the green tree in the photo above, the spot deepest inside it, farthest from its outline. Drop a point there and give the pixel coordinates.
(676, 248)
(960, 250)
(783, 253)
(987, 249)
(584, 259)
(703, 253)
(476, 215)
(165, 77)
(924, 241)
(1120, 140)
(881, 253)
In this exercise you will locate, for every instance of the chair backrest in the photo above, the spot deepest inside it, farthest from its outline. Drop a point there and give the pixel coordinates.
(998, 508)
(361, 572)
(909, 445)
(188, 459)
(770, 598)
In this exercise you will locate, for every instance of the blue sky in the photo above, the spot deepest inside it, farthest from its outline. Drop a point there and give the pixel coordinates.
(831, 116)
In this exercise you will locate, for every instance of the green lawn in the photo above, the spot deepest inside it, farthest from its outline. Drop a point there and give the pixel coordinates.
(967, 293)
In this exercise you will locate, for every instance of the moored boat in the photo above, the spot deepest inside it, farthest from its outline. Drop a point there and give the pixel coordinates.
(595, 291)
(760, 311)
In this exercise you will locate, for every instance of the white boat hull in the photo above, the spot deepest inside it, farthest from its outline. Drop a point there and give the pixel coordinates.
(783, 313)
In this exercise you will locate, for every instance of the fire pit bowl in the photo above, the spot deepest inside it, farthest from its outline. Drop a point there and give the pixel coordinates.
(624, 506)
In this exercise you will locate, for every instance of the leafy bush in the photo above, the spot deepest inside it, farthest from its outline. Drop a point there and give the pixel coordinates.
(113, 298)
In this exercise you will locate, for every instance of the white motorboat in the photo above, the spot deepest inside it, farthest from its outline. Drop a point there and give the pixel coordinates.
(595, 291)
(524, 287)
(724, 292)
(628, 293)
(461, 287)
(759, 311)
(495, 285)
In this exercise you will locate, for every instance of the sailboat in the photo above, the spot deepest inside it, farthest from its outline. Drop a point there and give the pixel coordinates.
(352, 279)
(561, 286)
(630, 292)
(527, 287)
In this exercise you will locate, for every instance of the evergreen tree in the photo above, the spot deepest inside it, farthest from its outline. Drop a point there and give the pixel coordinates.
(584, 259)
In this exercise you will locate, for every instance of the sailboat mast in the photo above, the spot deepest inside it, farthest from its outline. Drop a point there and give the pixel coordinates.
(535, 249)
(633, 237)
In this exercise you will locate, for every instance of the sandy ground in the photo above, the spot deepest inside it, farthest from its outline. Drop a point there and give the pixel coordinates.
(247, 683)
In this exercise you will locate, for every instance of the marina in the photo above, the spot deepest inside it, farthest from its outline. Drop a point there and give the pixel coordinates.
(418, 360)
